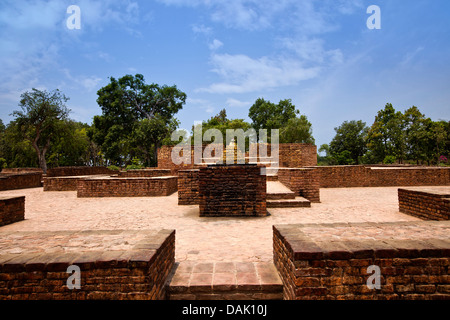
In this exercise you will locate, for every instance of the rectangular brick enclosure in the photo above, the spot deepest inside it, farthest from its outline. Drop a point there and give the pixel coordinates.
(428, 204)
(331, 261)
(232, 190)
(114, 265)
(126, 187)
(12, 209)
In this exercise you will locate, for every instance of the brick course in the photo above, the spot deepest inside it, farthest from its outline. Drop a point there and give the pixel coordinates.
(64, 183)
(233, 190)
(145, 173)
(425, 204)
(12, 209)
(337, 270)
(126, 187)
(137, 274)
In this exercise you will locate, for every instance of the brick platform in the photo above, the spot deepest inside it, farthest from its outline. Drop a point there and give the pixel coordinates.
(114, 265)
(20, 181)
(78, 171)
(225, 281)
(126, 187)
(12, 209)
(330, 261)
(64, 183)
(232, 190)
(428, 204)
(145, 173)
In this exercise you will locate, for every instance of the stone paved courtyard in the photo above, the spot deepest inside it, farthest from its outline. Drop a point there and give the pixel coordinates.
(201, 239)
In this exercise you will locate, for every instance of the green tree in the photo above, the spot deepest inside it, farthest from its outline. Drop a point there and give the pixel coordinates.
(125, 102)
(350, 136)
(297, 130)
(39, 120)
(386, 137)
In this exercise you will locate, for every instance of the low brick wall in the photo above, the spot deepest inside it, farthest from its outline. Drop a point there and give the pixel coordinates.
(320, 267)
(136, 273)
(365, 176)
(304, 182)
(188, 187)
(64, 183)
(425, 203)
(12, 209)
(145, 173)
(126, 187)
(78, 171)
(20, 170)
(232, 190)
(20, 181)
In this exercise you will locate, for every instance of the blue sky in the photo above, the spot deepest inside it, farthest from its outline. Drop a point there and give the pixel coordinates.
(228, 53)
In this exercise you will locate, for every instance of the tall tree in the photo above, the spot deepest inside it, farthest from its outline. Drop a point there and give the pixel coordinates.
(268, 115)
(39, 119)
(350, 136)
(125, 102)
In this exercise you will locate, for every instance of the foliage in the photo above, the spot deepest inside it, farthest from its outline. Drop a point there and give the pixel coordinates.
(136, 118)
(350, 137)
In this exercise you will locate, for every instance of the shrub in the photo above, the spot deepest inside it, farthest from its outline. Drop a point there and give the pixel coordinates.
(114, 168)
(389, 160)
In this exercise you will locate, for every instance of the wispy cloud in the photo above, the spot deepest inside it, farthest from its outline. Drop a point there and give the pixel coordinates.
(237, 103)
(244, 74)
(215, 44)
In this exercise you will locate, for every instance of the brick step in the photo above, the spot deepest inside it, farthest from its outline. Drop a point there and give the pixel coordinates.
(194, 280)
(298, 202)
(272, 177)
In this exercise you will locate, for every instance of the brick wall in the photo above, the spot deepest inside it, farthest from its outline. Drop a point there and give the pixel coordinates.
(12, 209)
(126, 187)
(188, 187)
(20, 181)
(78, 171)
(137, 274)
(362, 176)
(233, 190)
(290, 156)
(64, 183)
(20, 170)
(145, 173)
(304, 182)
(337, 270)
(425, 204)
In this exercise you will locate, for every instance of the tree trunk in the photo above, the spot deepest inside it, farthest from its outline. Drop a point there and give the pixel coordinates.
(155, 152)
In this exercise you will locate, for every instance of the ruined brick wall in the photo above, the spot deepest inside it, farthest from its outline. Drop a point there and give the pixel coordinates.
(311, 270)
(362, 176)
(62, 183)
(138, 274)
(20, 181)
(126, 187)
(428, 205)
(145, 173)
(12, 209)
(188, 187)
(78, 171)
(234, 190)
(304, 182)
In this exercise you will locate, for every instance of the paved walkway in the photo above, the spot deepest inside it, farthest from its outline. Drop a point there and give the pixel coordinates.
(200, 239)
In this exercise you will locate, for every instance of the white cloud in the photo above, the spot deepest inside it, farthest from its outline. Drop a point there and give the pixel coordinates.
(215, 44)
(237, 103)
(244, 74)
